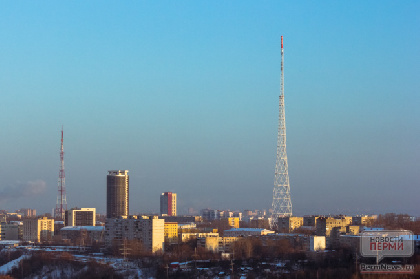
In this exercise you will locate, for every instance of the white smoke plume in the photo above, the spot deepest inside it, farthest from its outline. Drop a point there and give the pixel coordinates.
(22, 189)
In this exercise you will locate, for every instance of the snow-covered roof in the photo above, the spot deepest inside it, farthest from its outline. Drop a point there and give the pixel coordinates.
(8, 242)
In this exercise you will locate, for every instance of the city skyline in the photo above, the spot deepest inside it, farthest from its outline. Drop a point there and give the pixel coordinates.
(185, 96)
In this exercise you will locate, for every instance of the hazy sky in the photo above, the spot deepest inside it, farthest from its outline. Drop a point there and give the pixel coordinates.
(184, 94)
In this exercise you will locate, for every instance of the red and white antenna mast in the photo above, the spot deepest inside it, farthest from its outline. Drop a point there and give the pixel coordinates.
(61, 206)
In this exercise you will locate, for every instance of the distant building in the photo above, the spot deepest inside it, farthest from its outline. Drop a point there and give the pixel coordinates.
(217, 244)
(214, 214)
(117, 182)
(288, 224)
(80, 217)
(310, 221)
(27, 212)
(364, 220)
(58, 225)
(247, 232)
(300, 242)
(11, 231)
(89, 234)
(168, 204)
(184, 237)
(14, 216)
(171, 232)
(325, 225)
(233, 222)
(184, 227)
(38, 230)
(182, 219)
(351, 242)
(317, 243)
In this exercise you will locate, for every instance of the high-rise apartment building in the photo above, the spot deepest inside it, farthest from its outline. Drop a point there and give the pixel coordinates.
(37, 230)
(171, 232)
(168, 204)
(117, 193)
(80, 217)
(11, 231)
(148, 229)
(27, 212)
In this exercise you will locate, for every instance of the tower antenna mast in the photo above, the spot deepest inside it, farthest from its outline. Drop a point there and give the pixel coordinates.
(282, 204)
(61, 206)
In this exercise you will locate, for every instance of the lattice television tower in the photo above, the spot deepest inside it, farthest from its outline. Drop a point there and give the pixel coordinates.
(282, 204)
(61, 206)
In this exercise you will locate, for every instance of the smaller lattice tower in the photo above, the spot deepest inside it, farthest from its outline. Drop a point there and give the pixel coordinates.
(61, 206)
(282, 204)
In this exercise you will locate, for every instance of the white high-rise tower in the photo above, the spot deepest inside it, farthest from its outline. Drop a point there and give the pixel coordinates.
(282, 204)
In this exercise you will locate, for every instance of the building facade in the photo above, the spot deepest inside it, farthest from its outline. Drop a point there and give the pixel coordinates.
(148, 229)
(217, 244)
(171, 232)
(288, 224)
(80, 217)
(117, 194)
(182, 219)
(233, 222)
(11, 231)
(168, 204)
(184, 237)
(247, 232)
(38, 230)
(86, 235)
(325, 225)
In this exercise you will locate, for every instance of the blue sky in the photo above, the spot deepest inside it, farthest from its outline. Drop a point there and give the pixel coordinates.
(185, 95)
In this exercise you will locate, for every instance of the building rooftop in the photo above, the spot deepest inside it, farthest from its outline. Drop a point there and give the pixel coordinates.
(88, 228)
(246, 230)
(117, 172)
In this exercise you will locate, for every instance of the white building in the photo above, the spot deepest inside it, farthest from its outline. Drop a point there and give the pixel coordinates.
(317, 243)
(80, 217)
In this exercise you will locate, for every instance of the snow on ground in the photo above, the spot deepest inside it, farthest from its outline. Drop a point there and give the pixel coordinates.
(6, 268)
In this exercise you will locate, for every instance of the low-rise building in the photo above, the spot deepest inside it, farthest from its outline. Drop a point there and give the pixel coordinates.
(217, 244)
(184, 237)
(85, 235)
(298, 241)
(186, 226)
(364, 220)
(246, 232)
